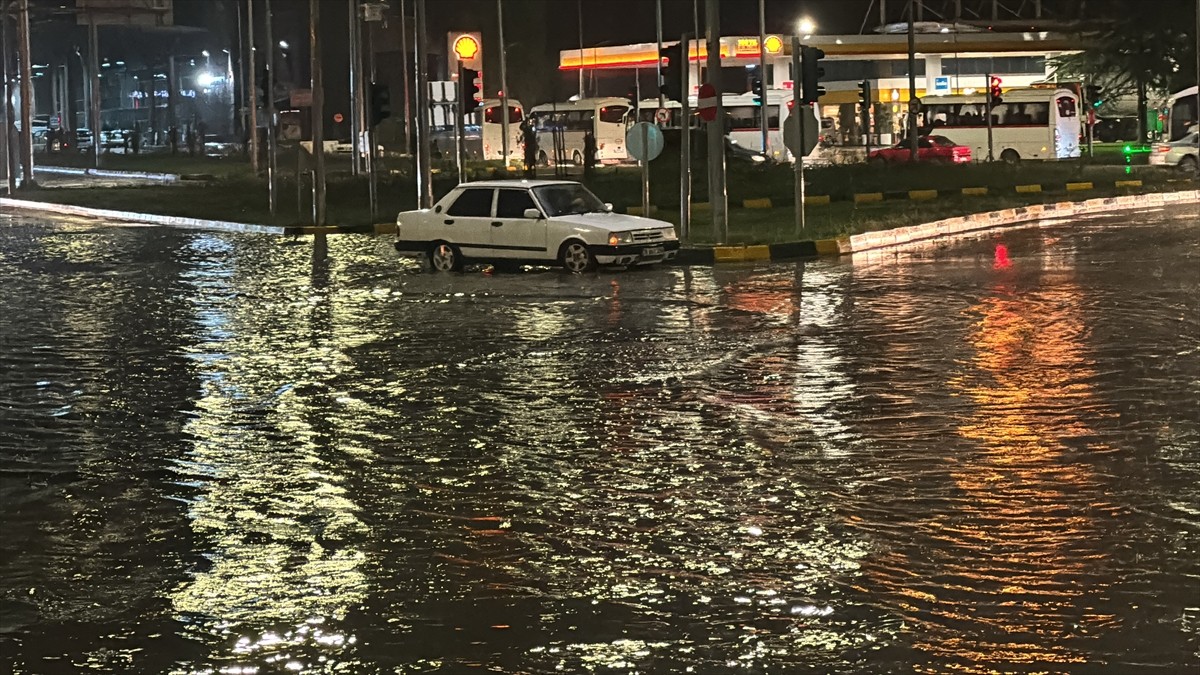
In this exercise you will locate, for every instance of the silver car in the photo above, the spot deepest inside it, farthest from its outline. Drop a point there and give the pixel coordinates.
(1181, 153)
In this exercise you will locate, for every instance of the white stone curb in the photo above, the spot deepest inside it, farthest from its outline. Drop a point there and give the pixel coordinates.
(869, 241)
(132, 217)
(105, 173)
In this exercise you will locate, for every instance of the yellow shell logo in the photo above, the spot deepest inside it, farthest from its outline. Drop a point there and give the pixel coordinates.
(466, 47)
(773, 44)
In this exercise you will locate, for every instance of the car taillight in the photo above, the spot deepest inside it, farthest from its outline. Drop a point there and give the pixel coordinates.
(1162, 148)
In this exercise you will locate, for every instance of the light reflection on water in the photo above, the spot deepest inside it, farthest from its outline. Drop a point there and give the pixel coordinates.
(232, 454)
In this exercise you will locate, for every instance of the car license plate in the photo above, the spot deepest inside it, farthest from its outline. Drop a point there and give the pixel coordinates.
(652, 251)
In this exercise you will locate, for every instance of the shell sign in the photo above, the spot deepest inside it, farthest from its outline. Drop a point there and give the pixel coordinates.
(466, 47)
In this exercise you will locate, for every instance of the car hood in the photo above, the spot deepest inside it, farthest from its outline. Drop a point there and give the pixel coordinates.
(613, 222)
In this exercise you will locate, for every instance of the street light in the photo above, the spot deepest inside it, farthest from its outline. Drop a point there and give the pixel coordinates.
(806, 27)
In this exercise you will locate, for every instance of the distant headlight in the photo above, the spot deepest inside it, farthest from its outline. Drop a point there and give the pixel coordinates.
(618, 238)
(669, 233)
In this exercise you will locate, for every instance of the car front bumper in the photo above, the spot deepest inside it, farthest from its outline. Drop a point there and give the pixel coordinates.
(635, 254)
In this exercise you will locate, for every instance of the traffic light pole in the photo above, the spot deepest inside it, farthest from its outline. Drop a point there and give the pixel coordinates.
(717, 195)
(26, 84)
(987, 112)
(912, 85)
(272, 167)
(372, 160)
(251, 76)
(316, 80)
(685, 148)
(424, 173)
(800, 110)
(503, 84)
(762, 77)
(457, 111)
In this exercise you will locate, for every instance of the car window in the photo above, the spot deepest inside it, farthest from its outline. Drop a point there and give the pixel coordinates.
(563, 198)
(941, 141)
(924, 143)
(473, 202)
(512, 204)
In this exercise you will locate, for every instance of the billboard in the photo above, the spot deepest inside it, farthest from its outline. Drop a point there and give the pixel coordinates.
(125, 12)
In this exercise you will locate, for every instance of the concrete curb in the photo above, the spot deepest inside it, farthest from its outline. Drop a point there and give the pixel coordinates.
(871, 241)
(105, 173)
(150, 218)
(883, 239)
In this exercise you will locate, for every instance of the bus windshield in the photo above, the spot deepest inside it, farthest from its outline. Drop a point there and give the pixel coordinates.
(568, 198)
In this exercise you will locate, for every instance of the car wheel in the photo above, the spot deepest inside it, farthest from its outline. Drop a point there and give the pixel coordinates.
(575, 257)
(1010, 156)
(878, 161)
(1188, 164)
(445, 257)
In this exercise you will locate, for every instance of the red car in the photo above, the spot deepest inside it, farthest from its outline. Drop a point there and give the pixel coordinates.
(929, 149)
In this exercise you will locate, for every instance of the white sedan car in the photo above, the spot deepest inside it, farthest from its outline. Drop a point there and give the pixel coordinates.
(515, 222)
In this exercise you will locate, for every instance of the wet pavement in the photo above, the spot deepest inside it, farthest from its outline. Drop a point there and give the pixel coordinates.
(236, 453)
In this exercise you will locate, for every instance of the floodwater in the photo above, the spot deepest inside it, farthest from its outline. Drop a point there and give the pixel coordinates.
(239, 454)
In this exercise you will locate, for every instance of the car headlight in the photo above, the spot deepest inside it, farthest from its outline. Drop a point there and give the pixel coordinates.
(669, 233)
(618, 238)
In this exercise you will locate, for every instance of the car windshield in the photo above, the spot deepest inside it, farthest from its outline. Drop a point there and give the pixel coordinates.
(567, 198)
(941, 141)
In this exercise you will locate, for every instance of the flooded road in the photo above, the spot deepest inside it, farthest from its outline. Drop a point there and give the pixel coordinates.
(237, 454)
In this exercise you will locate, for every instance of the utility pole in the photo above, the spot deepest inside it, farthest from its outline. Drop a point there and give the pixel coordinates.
(408, 139)
(762, 77)
(251, 80)
(987, 111)
(717, 197)
(685, 147)
(912, 86)
(658, 79)
(272, 123)
(355, 93)
(424, 175)
(27, 96)
(10, 161)
(503, 83)
(316, 81)
(94, 75)
(579, 15)
(372, 163)
(798, 110)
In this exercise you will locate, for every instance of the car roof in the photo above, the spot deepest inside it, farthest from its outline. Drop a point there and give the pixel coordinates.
(516, 182)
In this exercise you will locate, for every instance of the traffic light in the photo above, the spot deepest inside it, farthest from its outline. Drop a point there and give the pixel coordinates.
(1095, 95)
(467, 89)
(757, 88)
(812, 74)
(864, 94)
(674, 58)
(381, 103)
(994, 91)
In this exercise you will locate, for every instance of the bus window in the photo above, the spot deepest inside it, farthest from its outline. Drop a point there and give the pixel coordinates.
(1066, 106)
(613, 114)
(492, 115)
(741, 118)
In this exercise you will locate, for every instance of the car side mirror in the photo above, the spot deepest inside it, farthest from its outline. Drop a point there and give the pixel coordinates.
(608, 207)
(532, 214)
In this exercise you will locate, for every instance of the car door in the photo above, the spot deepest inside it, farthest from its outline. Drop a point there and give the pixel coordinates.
(467, 222)
(514, 235)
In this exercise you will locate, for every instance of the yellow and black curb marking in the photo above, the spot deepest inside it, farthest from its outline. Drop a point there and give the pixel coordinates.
(907, 195)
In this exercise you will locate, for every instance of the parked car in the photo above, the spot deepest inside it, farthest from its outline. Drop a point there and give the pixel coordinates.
(514, 222)
(83, 140)
(1182, 153)
(929, 149)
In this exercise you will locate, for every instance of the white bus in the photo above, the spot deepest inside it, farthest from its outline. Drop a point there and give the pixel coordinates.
(744, 120)
(1027, 124)
(490, 118)
(604, 117)
(483, 132)
(1183, 113)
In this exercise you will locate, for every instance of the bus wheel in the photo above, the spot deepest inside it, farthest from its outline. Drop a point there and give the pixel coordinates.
(1010, 156)
(542, 159)
(577, 159)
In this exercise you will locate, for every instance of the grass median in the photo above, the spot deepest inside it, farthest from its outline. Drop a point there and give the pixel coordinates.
(234, 194)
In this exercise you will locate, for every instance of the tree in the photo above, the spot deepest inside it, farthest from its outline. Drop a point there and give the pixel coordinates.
(1154, 52)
